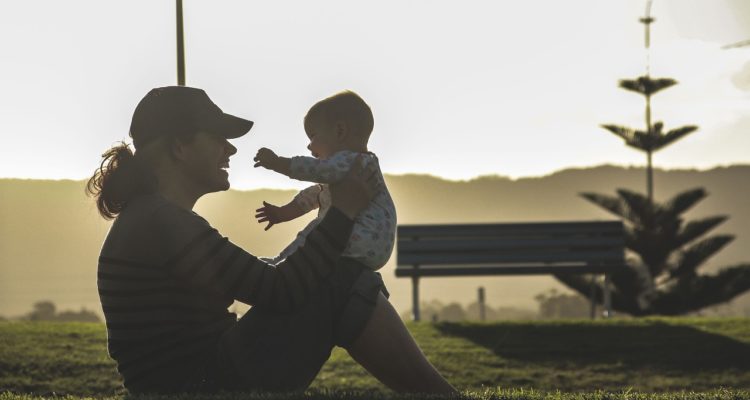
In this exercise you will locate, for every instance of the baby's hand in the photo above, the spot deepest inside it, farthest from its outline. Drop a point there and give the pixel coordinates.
(269, 213)
(265, 158)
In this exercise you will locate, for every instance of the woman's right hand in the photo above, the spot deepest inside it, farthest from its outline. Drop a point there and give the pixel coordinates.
(360, 185)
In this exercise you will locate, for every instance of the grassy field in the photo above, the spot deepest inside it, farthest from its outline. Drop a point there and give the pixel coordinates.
(618, 359)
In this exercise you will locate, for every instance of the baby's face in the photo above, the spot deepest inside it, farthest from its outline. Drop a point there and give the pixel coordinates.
(323, 140)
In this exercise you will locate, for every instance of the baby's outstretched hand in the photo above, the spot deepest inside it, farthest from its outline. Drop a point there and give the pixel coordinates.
(269, 213)
(265, 158)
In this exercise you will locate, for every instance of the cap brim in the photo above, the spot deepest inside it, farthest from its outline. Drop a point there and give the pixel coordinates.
(232, 127)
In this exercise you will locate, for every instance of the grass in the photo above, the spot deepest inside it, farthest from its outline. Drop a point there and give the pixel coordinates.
(664, 358)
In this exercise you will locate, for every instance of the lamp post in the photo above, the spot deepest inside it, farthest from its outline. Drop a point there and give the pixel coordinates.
(180, 47)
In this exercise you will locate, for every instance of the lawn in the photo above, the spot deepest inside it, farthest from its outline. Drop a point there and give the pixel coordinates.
(619, 359)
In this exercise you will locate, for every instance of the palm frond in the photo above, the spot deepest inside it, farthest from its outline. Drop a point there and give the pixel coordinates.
(627, 134)
(683, 201)
(631, 237)
(582, 285)
(695, 255)
(697, 228)
(674, 135)
(642, 210)
(696, 292)
(646, 85)
(644, 140)
(608, 203)
(657, 128)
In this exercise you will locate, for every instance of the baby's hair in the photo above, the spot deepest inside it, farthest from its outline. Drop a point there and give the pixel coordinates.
(344, 106)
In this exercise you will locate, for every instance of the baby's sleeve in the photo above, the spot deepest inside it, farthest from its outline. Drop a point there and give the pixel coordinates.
(307, 199)
(322, 171)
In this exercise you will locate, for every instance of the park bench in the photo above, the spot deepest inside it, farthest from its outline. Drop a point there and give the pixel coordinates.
(577, 247)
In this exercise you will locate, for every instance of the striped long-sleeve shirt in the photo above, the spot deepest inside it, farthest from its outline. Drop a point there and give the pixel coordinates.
(166, 278)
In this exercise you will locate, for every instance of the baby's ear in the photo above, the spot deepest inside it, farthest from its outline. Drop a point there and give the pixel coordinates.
(342, 130)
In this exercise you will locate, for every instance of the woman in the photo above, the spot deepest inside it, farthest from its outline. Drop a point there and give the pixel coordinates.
(166, 277)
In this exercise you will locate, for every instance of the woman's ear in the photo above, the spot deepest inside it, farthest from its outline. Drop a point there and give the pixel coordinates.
(177, 149)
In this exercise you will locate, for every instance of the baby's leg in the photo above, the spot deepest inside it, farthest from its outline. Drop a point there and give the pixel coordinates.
(387, 350)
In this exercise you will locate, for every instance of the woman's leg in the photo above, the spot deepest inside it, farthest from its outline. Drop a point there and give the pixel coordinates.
(278, 352)
(387, 350)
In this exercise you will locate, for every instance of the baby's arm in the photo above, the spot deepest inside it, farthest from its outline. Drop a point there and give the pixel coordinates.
(309, 169)
(330, 170)
(303, 202)
(267, 159)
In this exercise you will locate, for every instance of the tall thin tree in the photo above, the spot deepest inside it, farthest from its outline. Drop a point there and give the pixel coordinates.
(653, 138)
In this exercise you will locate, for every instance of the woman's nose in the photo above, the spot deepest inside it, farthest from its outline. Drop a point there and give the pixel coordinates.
(231, 149)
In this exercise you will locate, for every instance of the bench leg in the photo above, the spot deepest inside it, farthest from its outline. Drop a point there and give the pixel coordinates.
(607, 297)
(592, 297)
(415, 297)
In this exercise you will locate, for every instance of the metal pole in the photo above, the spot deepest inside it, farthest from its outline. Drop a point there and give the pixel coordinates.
(481, 304)
(607, 298)
(415, 295)
(180, 47)
(592, 296)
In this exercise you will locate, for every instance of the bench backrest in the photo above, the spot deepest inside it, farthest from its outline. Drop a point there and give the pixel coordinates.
(511, 248)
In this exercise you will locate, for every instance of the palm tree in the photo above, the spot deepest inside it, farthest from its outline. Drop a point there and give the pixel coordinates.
(653, 138)
(663, 278)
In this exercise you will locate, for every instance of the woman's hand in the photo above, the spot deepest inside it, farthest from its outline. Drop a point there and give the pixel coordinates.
(353, 193)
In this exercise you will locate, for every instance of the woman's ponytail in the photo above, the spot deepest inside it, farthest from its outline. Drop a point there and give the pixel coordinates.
(119, 178)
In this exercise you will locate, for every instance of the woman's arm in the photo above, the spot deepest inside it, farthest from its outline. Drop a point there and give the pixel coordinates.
(211, 262)
(205, 259)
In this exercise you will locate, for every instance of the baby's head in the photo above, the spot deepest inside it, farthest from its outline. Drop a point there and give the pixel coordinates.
(340, 122)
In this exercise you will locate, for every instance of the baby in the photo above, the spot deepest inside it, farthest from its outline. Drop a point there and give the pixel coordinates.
(339, 128)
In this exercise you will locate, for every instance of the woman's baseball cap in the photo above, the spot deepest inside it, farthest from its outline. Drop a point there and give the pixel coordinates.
(181, 110)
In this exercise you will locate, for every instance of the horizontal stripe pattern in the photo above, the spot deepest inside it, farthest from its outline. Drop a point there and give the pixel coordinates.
(164, 317)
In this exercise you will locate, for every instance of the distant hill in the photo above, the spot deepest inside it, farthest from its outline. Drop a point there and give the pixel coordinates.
(50, 233)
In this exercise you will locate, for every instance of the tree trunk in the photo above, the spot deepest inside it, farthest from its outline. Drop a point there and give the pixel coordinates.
(649, 173)
(649, 178)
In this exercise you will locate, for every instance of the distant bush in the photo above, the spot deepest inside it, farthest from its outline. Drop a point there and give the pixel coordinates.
(47, 311)
(553, 304)
(454, 312)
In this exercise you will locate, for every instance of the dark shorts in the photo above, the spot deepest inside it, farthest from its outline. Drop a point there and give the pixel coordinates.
(284, 352)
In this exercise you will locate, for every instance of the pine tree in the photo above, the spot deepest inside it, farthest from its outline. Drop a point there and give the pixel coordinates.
(662, 276)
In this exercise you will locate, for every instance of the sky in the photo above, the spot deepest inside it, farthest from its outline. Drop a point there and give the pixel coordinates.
(459, 89)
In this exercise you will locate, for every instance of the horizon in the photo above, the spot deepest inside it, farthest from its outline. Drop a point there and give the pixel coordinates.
(293, 184)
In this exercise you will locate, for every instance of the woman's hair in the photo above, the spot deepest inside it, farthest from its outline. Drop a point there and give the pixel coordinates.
(120, 177)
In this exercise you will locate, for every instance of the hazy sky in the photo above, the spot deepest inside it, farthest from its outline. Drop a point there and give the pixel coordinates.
(459, 89)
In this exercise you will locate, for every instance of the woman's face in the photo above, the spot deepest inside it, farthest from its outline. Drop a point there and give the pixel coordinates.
(206, 159)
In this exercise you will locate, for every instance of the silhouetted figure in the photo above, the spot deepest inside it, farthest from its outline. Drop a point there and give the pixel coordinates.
(166, 277)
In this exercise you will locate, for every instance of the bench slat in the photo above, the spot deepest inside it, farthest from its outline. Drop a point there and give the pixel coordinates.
(408, 247)
(437, 258)
(512, 229)
(506, 270)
